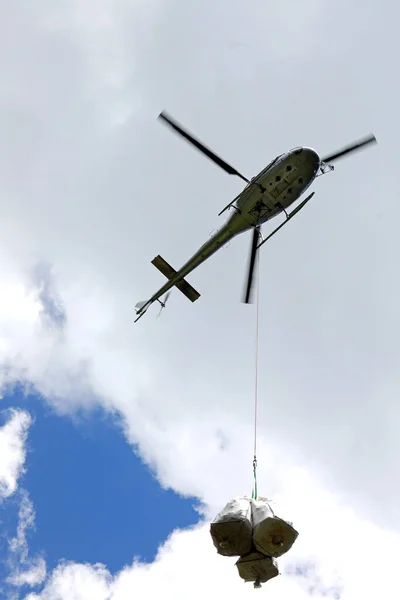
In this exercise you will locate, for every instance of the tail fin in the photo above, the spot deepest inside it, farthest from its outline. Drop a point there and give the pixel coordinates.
(140, 305)
(140, 308)
(182, 285)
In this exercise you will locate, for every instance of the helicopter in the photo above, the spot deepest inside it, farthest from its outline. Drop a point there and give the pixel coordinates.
(265, 196)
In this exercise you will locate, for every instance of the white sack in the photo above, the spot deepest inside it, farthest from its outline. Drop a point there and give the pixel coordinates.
(257, 568)
(271, 535)
(231, 530)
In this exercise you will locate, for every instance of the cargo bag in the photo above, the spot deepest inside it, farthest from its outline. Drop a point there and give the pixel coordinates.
(231, 530)
(271, 535)
(257, 568)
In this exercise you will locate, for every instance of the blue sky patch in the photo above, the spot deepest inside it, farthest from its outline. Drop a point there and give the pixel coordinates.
(95, 501)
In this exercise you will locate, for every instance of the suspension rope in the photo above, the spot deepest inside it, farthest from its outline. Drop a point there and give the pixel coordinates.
(255, 493)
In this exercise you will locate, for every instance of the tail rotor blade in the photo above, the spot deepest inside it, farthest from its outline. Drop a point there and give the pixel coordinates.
(163, 303)
(252, 260)
(369, 139)
(167, 295)
(200, 146)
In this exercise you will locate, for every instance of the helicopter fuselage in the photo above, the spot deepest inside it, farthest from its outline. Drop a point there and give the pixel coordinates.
(271, 192)
(275, 188)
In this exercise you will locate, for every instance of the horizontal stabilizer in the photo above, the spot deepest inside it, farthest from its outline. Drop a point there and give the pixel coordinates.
(187, 290)
(169, 272)
(164, 267)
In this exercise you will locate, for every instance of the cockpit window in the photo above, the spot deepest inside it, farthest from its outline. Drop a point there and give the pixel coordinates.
(298, 150)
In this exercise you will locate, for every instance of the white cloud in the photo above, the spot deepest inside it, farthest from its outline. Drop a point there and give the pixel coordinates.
(76, 581)
(333, 558)
(96, 201)
(33, 575)
(26, 516)
(13, 436)
(25, 570)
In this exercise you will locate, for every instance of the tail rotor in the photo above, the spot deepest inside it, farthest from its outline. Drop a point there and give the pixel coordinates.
(163, 303)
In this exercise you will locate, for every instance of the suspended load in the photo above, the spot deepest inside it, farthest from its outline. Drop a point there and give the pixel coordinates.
(257, 568)
(231, 530)
(250, 529)
(271, 535)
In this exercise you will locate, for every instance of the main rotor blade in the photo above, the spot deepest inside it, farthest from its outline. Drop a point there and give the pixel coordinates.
(253, 252)
(209, 153)
(370, 139)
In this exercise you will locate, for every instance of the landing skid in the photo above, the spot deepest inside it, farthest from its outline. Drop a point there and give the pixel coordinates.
(288, 217)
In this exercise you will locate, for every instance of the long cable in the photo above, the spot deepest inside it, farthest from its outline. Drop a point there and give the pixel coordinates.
(255, 494)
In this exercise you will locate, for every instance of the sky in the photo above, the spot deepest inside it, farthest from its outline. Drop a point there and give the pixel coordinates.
(94, 407)
(83, 471)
